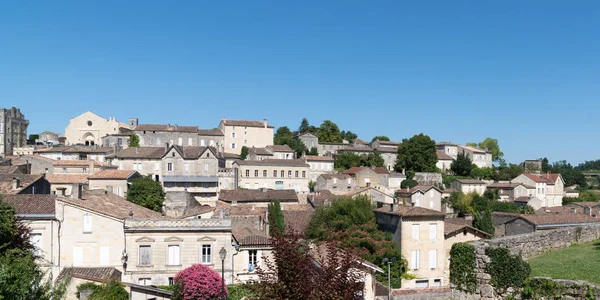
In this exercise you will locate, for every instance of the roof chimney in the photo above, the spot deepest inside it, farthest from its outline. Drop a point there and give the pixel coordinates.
(91, 170)
(16, 183)
(265, 123)
(166, 147)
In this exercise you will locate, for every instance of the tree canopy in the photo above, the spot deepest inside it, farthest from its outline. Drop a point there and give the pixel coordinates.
(381, 138)
(276, 219)
(134, 140)
(492, 145)
(283, 136)
(146, 192)
(462, 165)
(347, 160)
(197, 282)
(244, 153)
(329, 132)
(348, 136)
(417, 154)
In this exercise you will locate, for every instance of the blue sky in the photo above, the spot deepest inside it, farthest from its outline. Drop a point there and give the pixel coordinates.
(527, 74)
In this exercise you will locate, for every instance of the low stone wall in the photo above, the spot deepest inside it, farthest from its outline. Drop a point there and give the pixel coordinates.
(530, 245)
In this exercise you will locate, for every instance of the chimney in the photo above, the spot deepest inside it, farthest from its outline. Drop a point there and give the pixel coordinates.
(265, 123)
(233, 202)
(16, 183)
(223, 119)
(133, 123)
(91, 170)
(166, 147)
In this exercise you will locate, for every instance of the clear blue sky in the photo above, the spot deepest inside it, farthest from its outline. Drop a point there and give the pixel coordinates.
(527, 74)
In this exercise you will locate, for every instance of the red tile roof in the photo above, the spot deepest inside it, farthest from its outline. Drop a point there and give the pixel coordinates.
(248, 237)
(381, 170)
(280, 148)
(79, 163)
(245, 123)
(6, 182)
(341, 176)
(67, 178)
(109, 204)
(543, 178)
(443, 156)
(354, 170)
(31, 204)
(165, 128)
(318, 158)
(210, 132)
(258, 195)
(113, 174)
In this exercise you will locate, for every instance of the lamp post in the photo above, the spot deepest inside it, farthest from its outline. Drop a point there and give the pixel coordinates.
(389, 263)
(222, 255)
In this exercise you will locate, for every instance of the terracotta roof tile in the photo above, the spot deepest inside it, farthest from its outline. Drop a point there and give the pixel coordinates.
(443, 156)
(245, 123)
(389, 143)
(113, 174)
(470, 181)
(410, 211)
(210, 132)
(354, 170)
(258, 195)
(280, 148)
(79, 163)
(273, 162)
(559, 218)
(318, 158)
(141, 152)
(381, 170)
(109, 204)
(165, 128)
(473, 149)
(31, 204)
(248, 237)
(67, 178)
(6, 181)
(8, 169)
(320, 197)
(540, 178)
(340, 176)
(260, 151)
(98, 274)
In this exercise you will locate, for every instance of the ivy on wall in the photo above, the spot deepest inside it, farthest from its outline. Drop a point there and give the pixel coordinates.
(462, 267)
(546, 288)
(506, 269)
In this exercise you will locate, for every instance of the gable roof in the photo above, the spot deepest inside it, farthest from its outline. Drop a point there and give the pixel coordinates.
(508, 185)
(141, 152)
(258, 195)
(549, 178)
(165, 128)
(210, 132)
(280, 148)
(381, 170)
(359, 142)
(245, 123)
(109, 204)
(355, 170)
(421, 188)
(273, 162)
(298, 220)
(410, 211)
(474, 149)
(31, 204)
(192, 152)
(340, 176)
(260, 151)
(470, 181)
(454, 225)
(67, 178)
(443, 156)
(9, 169)
(6, 181)
(249, 237)
(79, 163)
(389, 143)
(319, 198)
(318, 158)
(97, 274)
(545, 219)
(113, 174)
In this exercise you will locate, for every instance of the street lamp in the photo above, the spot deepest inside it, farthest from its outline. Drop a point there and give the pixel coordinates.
(222, 255)
(389, 262)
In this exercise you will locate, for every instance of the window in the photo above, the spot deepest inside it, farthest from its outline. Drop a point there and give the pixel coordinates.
(232, 145)
(290, 174)
(104, 256)
(189, 141)
(173, 154)
(36, 241)
(206, 254)
(145, 258)
(145, 281)
(303, 174)
(84, 170)
(87, 223)
(437, 283)
(156, 167)
(207, 154)
(282, 173)
(233, 135)
(264, 173)
(180, 141)
(252, 259)
(171, 280)
(119, 192)
(205, 167)
(64, 170)
(414, 262)
(432, 232)
(274, 173)
(255, 173)
(422, 283)
(212, 143)
(432, 259)
(416, 228)
(173, 255)
(247, 173)
(77, 256)
(430, 203)
(170, 167)
(334, 180)
(297, 174)
(202, 143)
(186, 167)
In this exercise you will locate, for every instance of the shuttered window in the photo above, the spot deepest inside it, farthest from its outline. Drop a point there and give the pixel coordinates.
(87, 223)
(416, 228)
(432, 232)
(414, 264)
(432, 259)
(174, 255)
(104, 256)
(145, 258)
(206, 254)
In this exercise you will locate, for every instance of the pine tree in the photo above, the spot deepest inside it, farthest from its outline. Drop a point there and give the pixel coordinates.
(276, 221)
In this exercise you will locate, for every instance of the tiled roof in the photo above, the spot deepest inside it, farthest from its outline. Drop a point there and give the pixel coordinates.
(142, 152)
(102, 202)
(473, 149)
(341, 176)
(258, 195)
(239, 210)
(381, 170)
(541, 178)
(355, 149)
(273, 162)
(98, 274)
(443, 156)
(210, 132)
(67, 178)
(319, 197)
(75, 149)
(193, 152)
(245, 123)
(260, 151)
(586, 204)
(522, 199)
(386, 149)
(422, 188)
(507, 185)
(551, 177)
(559, 218)
(196, 209)
(389, 143)
(449, 190)
(79, 163)
(113, 174)
(354, 170)
(452, 225)
(410, 211)
(6, 181)
(280, 148)
(21, 160)
(397, 175)
(318, 158)
(165, 128)
(298, 220)
(248, 237)
(360, 142)
(228, 155)
(8, 169)
(470, 181)
(32, 204)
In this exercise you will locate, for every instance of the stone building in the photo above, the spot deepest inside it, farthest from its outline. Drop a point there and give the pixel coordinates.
(425, 196)
(95, 153)
(271, 152)
(549, 187)
(319, 165)
(469, 185)
(113, 181)
(239, 133)
(13, 130)
(48, 137)
(12, 184)
(277, 174)
(89, 128)
(337, 184)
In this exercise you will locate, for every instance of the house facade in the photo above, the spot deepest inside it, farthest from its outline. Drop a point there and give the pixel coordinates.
(469, 186)
(13, 130)
(424, 196)
(444, 161)
(89, 128)
(239, 133)
(113, 181)
(319, 165)
(508, 191)
(337, 184)
(274, 174)
(480, 157)
(549, 187)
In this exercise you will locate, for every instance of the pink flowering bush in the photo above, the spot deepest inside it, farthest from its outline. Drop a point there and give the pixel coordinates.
(197, 282)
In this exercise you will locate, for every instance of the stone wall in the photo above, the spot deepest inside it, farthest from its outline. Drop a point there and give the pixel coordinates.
(528, 245)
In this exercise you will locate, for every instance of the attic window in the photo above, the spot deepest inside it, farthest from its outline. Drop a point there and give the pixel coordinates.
(173, 154)
(207, 154)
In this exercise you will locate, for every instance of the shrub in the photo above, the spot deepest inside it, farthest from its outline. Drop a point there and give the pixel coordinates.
(112, 290)
(462, 267)
(507, 270)
(197, 282)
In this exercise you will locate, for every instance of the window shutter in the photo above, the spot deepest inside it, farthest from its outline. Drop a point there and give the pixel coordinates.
(104, 256)
(415, 231)
(77, 256)
(418, 261)
(87, 223)
(432, 259)
(432, 232)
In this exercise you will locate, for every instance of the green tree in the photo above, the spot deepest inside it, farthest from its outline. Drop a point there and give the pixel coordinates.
(486, 173)
(381, 138)
(311, 186)
(508, 172)
(313, 151)
(461, 204)
(146, 192)
(329, 132)
(283, 136)
(417, 154)
(33, 138)
(276, 219)
(111, 290)
(348, 136)
(134, 140)
(545, 165)
(346, 160)
(483, 222)
(492, 145)
(306, 127)
(462, 165)
(471, 144)
(372, 160)
(244, 153)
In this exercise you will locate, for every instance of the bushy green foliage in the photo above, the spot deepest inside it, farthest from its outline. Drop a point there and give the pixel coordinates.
(348, 136)
(313, 151)
(111, 290)
(244, 153)
(462, 267)
(584, 196)
(347, 160)
(483, 221)
(276, 219)
(312, 185)
(134, 140)
(462, 165)
(473, 202)
(408, 183)
(506, 269)
(329, 132)
(283, 136)
(486, 173)
(508, 172)
(461, 204)
(570, 175)
(239, 292)
(381, 138)
(417, 154)
(350, 222)
(146, 192)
